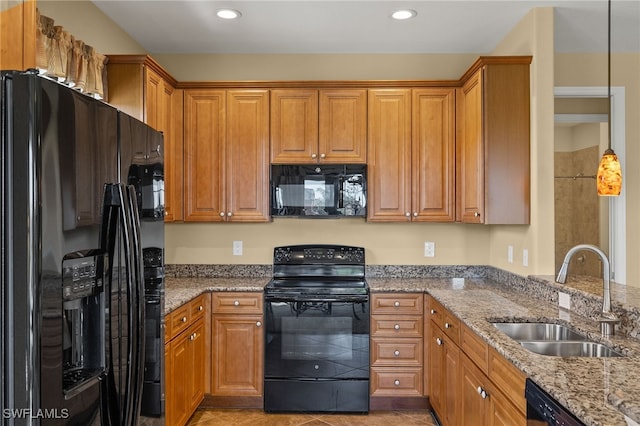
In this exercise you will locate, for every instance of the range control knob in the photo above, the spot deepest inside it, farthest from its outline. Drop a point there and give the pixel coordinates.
(282, 255)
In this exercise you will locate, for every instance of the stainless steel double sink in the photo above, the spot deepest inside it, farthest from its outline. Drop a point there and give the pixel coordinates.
(554, 340)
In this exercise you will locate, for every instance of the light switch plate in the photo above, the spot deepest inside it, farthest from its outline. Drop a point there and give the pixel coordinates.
(429, 249)
(510, 254)
(525, 257)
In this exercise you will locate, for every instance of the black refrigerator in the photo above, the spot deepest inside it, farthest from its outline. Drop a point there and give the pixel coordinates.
(82, 296)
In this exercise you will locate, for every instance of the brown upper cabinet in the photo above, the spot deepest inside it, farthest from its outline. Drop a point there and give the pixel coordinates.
(411, 154)
(18, 35)
(140, 87)
(310, 126)
(226, 155)
(493, 142)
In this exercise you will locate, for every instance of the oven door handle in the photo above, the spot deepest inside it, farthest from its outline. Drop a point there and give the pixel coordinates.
(299, 298)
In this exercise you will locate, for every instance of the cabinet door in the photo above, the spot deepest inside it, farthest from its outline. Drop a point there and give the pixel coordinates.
(294, 126)
(153, 98)
(197, 364)
(173, 154)
(204, 155)
(433, 154)
(389, 155)
(247, 164)
(18, 35)
(237, 355)
(451, 392)
(474, 394)
(343, 126)
(178, 408)
(169, 393)
(435, 370)
(472, 151)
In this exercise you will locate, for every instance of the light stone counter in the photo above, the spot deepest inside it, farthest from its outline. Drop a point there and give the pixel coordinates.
(600, 391)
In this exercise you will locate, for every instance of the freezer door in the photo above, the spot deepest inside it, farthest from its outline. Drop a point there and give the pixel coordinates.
(55, 141)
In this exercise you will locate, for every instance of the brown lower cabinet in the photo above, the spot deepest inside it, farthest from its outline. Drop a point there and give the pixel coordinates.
(237, 348)
(469, 383)
(185, 360)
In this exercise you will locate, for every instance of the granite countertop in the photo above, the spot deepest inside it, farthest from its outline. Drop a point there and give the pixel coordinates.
(600, 391)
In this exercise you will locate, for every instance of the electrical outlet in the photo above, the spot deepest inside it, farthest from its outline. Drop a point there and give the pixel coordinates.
(237, 248)
(525, 257)
(429, 249)
(510, 254)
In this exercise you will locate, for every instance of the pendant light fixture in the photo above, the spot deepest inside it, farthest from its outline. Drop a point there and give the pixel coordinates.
(609, 178)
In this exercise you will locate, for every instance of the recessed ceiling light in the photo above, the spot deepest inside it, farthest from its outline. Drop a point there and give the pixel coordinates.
(403, 14)
(228, 14)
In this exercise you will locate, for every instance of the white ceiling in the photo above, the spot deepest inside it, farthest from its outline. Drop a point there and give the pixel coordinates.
(361, 26)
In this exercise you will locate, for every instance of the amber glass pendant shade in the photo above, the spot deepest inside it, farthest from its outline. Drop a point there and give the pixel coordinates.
(609, 178)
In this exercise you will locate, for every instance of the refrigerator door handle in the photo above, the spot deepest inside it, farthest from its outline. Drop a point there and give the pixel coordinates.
(137, 313)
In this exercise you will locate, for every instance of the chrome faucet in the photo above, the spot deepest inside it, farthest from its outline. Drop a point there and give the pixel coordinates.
(608, 319)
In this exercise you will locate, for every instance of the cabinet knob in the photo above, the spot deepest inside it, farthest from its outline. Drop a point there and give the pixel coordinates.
(221, 214)
(447, 325)
(397, 326)
(314, 156)
(396, 304)
(229, 214)
(236, 303)
(407, 214)
(477, 214)
(200, 308)
(482, 392)
(396, 353)
(396, 382)
(258, 324)
(322, 156)
(415, 214)
(184, 319)
(193, 336)
(439, 341)
(166, 211)
(433, 312)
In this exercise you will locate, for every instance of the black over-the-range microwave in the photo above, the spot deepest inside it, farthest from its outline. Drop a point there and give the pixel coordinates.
(319, 191)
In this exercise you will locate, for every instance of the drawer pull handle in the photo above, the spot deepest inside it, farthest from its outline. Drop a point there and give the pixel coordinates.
(396, 382)
(258, 324)
(439, 341)
(396, 353)
(447, 325)
(433, 312)
(236, 303)
(396, 304)
(183, 319)
(397, 326)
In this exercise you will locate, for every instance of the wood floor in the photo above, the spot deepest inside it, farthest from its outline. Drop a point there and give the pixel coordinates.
(248, 417)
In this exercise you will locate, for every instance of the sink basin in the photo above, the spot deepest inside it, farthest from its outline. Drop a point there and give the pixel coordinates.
(521, 331)
(570, 348)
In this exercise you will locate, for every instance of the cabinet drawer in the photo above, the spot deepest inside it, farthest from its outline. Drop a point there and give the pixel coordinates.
(396, 303)
(236, 303)
(396, 352)
(178, 321)
(197, 307)
(390, 381)
(444, 319)
(396, 326)
(508, 378)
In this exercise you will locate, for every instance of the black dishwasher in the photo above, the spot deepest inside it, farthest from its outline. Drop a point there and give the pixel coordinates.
(542, 409)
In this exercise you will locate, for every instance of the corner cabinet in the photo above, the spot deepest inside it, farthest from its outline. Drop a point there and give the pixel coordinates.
(327, 126)
(469, 383)
(411, 155)
(493, 113)
(140, 87)
(226, 155)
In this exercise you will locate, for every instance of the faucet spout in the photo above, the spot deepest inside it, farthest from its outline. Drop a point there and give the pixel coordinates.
(608, 318)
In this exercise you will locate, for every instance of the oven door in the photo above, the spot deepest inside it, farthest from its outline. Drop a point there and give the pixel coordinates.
(317, 337)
